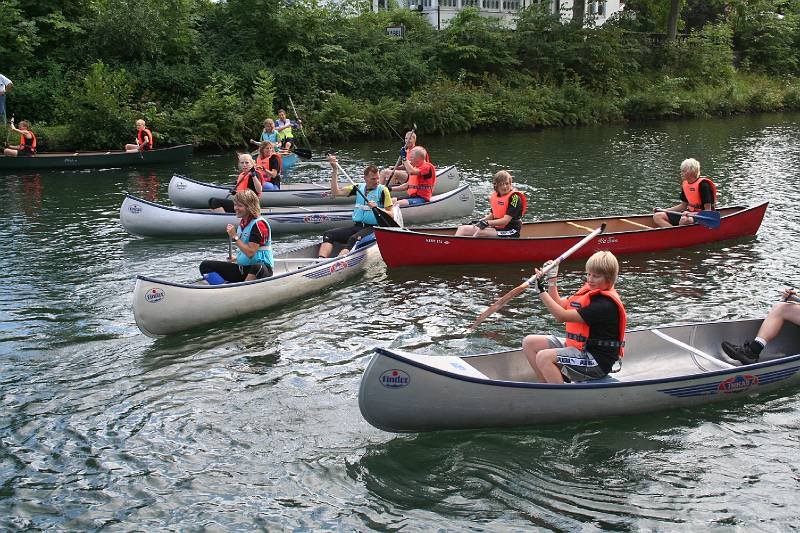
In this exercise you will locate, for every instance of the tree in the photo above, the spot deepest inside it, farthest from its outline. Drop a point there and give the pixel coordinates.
(672, 19)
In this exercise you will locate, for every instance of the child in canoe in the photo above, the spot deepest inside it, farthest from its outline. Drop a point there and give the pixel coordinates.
(595, 325)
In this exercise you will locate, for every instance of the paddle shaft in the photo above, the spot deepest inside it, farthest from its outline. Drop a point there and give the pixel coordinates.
(308, 144)
(379, 215)
(572, 250)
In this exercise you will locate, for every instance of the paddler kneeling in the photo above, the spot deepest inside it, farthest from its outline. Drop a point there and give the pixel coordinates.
(364, 220)
(595, 326)
(253, 241)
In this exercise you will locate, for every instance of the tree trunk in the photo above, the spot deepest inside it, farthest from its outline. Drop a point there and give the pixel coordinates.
(578, 12)
(672, 20)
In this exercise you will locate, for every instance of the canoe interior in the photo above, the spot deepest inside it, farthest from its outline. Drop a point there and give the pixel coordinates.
(648, 356)
(580, 227)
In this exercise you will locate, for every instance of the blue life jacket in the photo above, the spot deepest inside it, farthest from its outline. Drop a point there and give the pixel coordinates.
(363, 212)
(264, 253)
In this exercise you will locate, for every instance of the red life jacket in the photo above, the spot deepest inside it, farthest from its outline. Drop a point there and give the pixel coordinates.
(265, 163)
(421, 184)
(692, 193)
(26, 144)
(140, 134)
(243, 181)
(579, 332)
(500, 203)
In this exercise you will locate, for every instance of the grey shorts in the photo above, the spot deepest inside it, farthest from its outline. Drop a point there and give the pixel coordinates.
(575, 364)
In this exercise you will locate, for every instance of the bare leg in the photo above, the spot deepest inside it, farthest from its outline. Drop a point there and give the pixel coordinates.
(777, 315)
(661, 220)
(10, 152)
(325, 249)
(546, 360)
(531, 345)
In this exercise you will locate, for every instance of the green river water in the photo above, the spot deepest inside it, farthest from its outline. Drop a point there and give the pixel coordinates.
(254, 423)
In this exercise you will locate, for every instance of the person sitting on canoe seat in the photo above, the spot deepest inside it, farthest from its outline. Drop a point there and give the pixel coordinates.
(698, 193)
(144, 138)
(268, 134)
(595, 326)
(253, 241)
(270, 164)
(505, 217)
(421, 178)
(749, 352)
(250, 177)
(398, 173)
(364, 220)
(27, 140)
(284, 127)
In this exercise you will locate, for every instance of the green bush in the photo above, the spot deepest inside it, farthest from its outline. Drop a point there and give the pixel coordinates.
(216, 117)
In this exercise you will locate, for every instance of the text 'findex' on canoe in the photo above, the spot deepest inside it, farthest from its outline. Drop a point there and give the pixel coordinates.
(437, 241)
(607, 240)
(738, 383)
(394, 379)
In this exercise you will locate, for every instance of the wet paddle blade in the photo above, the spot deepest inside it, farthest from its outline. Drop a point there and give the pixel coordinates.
(499, 303)
(397, 214)
(305, 153)
(709, 219)
(383, 218)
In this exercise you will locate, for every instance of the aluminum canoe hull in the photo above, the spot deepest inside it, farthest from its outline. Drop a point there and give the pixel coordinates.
(541, 241)
(408, 392)
(163, 308)
(66, 160)
(142, 217)
(186, 192)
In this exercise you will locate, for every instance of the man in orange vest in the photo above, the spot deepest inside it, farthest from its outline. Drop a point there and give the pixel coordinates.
(698, 193)
(595, 321)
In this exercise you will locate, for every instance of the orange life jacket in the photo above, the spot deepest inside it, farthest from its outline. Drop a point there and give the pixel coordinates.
(140, 139)
(421, 185)
(243, 181)
(500, 203)
(28, 144)
(692, 193)
(578, 332)
(264, 163)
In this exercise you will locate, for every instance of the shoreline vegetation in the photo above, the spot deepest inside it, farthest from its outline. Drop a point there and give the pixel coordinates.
(210, 72)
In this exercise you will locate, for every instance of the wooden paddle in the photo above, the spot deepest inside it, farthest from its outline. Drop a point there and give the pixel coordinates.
(306, 153)
(519, 289)
(709, 219)
(381, 216)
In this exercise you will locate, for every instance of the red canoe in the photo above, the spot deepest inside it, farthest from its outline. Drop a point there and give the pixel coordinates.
(541, 241)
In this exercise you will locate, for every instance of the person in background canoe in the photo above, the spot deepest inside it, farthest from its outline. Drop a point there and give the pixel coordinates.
(250, 177)
(270, 164)
(5, 86)
(698, 193)
(144, 138)
(400, 175)
(508, 205)
(253, 241)
(595, 326)
(749, 352)
(27, 140)
(285, 133)
(364, 221)
(268, 134)
(421, 178)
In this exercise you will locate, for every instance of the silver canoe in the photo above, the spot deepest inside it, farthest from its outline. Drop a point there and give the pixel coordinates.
(663, 368)
(186, 192)
(142, 217)
(164, 307)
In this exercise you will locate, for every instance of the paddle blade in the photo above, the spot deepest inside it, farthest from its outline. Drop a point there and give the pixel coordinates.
(499, 303)
(709, 219)
(397, 214)
(383, 218)
(305, 153)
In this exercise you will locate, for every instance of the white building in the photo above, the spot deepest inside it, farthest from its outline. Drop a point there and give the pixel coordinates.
(439, 12)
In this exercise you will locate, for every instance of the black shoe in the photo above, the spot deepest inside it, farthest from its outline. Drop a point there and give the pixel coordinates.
(743, 354)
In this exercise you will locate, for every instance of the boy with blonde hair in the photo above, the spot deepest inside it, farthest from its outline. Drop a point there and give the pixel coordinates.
(595, 321)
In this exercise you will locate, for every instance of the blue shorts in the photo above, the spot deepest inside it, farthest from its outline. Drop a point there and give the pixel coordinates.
(416, 200)
(579, 365)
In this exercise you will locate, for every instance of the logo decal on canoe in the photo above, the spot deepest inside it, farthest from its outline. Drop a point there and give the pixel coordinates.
(437, 241)
(738, 384)
(394, 379)
(337, 266)
(154, 295)
(180, 185)
(315, 219)
(607, 240)
(135, 209)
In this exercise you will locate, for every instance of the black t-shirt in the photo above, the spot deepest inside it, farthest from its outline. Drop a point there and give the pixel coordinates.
(706, 193)
(514, 210)
(602, 316)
